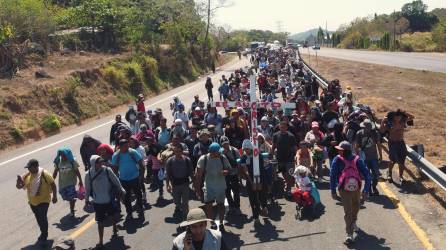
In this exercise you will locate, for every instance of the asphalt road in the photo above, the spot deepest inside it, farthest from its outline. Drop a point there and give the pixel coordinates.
(421, 61)
(381, 223)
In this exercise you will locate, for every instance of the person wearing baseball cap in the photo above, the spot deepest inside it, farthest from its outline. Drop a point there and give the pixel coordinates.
(368, 145)
(197, 235)
(213, 167)
(345, 176)
(39, 184)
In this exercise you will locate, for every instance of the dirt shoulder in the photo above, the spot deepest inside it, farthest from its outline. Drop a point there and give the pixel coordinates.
(386, 88)
(77, 87)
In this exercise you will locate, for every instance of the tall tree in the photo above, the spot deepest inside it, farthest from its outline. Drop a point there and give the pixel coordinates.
(419, 19)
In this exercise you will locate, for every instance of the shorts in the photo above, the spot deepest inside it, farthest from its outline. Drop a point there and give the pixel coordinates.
(284, 167)
(397, 151)
(68, 193)
(102, 211)
(210, 195)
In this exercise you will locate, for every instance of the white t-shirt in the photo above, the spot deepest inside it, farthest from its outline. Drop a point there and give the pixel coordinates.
(303, 183)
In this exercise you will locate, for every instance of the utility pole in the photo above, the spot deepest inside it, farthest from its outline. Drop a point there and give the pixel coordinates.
(326, 33)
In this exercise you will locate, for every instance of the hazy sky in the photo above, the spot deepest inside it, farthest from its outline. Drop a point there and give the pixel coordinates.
(299, 15)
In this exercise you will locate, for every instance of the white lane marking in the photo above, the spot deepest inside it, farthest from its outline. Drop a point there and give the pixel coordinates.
(91, 129)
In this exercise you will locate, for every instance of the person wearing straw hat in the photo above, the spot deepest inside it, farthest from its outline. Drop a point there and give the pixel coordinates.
(197, 235)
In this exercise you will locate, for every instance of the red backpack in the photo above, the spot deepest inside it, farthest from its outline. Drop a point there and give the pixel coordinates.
(350, 179)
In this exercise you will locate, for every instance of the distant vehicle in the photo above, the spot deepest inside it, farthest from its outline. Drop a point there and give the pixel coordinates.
(255, 45)
(316, 46)
(305, 44)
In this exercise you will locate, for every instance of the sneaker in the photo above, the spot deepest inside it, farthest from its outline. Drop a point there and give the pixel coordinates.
(214, 226)
(349, 239)
(221, 228)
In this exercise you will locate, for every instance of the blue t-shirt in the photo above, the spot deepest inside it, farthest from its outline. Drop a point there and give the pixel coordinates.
(163, 136)
(128, 165)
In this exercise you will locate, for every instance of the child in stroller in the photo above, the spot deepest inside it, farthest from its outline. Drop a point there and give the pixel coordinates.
(305, 194)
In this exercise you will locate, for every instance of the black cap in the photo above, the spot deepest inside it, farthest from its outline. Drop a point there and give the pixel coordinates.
(32, 163)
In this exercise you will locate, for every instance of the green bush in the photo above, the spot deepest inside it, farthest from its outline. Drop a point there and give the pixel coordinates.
(30, 19)
(418, 41)
(149, 65)
(5, 115)
(51, 123)
(135, 76)
(114, 76)
(17, 134)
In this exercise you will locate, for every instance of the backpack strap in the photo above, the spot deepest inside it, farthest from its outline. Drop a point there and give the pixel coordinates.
(222, 161)
(205, 163)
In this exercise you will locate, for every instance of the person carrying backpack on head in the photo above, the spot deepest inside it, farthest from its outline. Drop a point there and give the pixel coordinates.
(130, 166)
(68, 169)
(347, 171)
(213, 167)
(39, 185)
(101, 184)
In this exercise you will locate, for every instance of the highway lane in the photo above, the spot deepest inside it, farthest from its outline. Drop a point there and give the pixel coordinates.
(383, 227)
(16, 215)
(421, 61)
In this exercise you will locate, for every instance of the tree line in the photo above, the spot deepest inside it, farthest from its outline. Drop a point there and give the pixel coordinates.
(113, 25)
(411, 28)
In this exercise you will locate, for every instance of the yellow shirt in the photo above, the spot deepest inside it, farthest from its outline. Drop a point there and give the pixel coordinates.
(45, 188)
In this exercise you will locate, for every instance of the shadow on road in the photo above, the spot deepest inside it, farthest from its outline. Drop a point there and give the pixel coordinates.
(116, 243)
(37, 246)
(160, 203)
(366, 241)
(232, 240)
(266, 231)
(285, 239)
(67, 222)
(275, 212)
(237, 221)
(131, 226)
(386, 202)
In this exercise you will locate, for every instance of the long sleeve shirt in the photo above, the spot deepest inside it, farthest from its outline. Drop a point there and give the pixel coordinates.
(101, 186)
(337, 166)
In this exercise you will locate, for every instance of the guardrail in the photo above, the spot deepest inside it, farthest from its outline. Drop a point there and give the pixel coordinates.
(423, 165)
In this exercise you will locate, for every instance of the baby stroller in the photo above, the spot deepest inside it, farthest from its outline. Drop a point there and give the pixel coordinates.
(306, 199)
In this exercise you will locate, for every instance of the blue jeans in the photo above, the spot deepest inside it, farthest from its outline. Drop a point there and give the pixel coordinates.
(373, 166)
